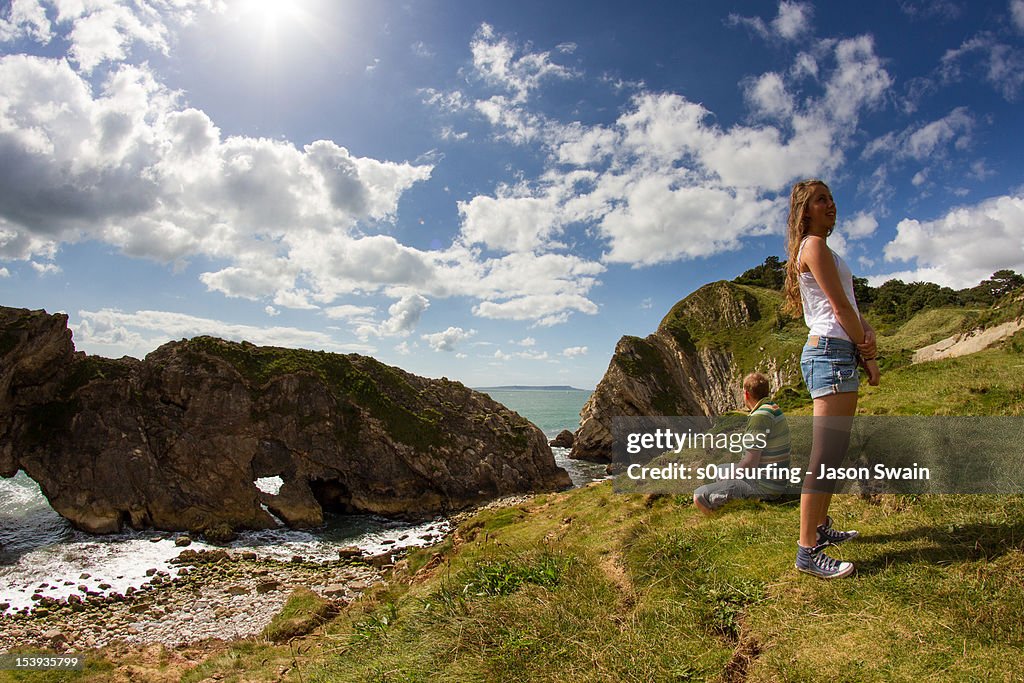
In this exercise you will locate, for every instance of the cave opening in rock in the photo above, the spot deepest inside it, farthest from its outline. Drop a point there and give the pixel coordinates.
(333, 496)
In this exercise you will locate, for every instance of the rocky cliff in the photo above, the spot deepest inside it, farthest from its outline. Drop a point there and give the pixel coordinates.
(176, 441)
(694, 363)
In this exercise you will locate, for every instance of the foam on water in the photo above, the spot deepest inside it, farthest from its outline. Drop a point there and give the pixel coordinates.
(38, 546)
(41, 553)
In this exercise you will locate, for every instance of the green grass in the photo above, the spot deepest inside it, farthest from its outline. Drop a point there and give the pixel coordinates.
(304, 612)
(352, 379)
(927, 327)
(590, 585)
(745, 321)
(94, 670)
(990, 382)
(593, 585)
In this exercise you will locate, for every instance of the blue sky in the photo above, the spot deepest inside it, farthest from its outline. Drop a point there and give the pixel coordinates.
(492, 192)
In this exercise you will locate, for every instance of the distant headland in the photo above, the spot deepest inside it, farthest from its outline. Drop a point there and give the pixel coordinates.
(524, 387)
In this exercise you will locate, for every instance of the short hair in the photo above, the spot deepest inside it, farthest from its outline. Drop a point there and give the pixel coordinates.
(756, 385)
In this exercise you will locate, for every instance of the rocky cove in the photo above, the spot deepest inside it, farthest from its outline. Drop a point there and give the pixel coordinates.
(206, 594)
(274, 413)
(179, 441)
(176, 441)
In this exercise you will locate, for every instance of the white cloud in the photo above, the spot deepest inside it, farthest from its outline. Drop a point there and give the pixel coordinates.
(963, 247)
(524, 355)
(452, 101)
(347, 311)
(527, 342)
(403, 316)
(1017, 14)
(45, 268)
(101, 31)
(295, 226)
(791, 23)
(110, 330)
(509, 223)
(926, 141)
(297, 298)
(1001, 64)
(449, 133)
(448, 339)
(574, 351)
(948, 10)
(127, 166)
(859, 82)
(518, 125)
(579, 145)
(861, 225)
(805, 65)
(271, 311)
(659, 224)
(495, 60)
(4, 272)
(767, 95)
(664, 182)
(422, 50)
(25, 18)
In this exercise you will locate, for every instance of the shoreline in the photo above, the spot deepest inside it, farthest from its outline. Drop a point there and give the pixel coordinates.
(219, 595)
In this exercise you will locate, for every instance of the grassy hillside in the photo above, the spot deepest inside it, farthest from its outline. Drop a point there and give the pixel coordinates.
(767, 333)
(593, 585)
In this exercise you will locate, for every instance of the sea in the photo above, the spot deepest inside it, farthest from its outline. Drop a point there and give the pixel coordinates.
(42, 554)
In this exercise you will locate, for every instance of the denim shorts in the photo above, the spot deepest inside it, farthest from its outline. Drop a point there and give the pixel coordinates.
(830, 366)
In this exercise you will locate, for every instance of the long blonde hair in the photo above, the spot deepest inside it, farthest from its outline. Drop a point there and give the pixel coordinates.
(796, 230)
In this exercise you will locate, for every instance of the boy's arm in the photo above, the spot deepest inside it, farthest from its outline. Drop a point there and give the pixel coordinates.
(750, 460)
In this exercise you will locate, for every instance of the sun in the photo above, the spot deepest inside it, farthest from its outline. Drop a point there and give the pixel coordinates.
(273, 19)
(270, 10)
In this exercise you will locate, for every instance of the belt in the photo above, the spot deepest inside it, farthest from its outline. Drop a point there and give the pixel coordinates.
(813, 340)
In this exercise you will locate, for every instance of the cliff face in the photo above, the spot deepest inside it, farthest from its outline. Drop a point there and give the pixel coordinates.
(176, 441)
(694, 363)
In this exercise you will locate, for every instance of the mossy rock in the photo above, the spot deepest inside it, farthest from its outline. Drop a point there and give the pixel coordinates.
(304, 612)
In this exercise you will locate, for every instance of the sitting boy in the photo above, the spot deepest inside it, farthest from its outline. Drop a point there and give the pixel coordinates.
(765, 419)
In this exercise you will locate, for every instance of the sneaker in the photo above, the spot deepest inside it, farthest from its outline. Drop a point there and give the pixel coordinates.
(829, 536)
(815, 561)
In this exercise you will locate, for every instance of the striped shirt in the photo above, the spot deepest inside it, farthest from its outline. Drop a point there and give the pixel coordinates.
(766, 418)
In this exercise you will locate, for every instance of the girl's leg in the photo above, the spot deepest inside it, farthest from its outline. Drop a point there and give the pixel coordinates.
(833, 419)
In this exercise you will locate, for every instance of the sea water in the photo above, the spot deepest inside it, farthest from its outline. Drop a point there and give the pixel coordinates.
(41, 553)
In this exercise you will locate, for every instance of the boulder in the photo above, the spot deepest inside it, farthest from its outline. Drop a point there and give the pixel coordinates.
(564, 439)
(175, 441)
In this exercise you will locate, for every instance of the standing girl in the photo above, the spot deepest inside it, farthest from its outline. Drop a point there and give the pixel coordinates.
(819, 283)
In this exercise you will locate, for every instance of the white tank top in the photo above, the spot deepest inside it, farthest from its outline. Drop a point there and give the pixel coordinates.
(818, 313)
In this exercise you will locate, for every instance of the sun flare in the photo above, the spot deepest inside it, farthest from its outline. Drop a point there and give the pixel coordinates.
(274, 18)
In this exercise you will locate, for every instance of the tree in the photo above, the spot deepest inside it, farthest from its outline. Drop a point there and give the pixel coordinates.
(1003, 282)
(771, 274)
(864, 293)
